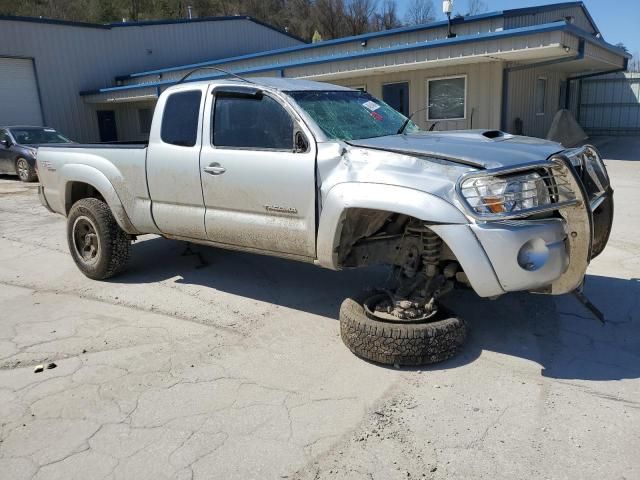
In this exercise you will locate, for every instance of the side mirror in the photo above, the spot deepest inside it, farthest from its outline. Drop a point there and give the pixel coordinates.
(5, 143)
(301, 143)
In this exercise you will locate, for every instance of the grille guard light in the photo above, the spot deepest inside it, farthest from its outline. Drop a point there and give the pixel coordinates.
(501, 194)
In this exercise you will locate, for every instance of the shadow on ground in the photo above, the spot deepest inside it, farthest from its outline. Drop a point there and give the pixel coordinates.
(556, 332)
(618, 148)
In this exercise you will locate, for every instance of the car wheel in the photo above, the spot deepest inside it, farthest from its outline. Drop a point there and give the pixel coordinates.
(25, 171)
(399, 342)
(98, 245)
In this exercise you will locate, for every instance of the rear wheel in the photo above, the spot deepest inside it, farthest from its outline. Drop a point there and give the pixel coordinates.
(25, 171)
(97, 244)
(382, 339)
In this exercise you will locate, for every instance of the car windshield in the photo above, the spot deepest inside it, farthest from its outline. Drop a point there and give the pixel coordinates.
(351, 115)
(34, 136)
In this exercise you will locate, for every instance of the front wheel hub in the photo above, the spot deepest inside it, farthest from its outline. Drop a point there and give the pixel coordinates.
(382, 306)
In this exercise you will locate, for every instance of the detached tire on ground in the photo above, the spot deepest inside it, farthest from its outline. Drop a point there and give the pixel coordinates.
(98, 245)
(399, 343)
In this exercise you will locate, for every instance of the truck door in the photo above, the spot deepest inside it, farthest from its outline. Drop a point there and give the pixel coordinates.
(173, 164)
(258, 174)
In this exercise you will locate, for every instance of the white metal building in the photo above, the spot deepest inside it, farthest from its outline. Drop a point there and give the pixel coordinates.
(509, 70)
(45, 64)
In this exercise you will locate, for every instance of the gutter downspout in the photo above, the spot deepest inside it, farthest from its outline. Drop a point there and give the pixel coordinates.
(507, 71)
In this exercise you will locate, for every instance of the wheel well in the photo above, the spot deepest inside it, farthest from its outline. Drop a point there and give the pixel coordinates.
(370, 237)
(79, 190)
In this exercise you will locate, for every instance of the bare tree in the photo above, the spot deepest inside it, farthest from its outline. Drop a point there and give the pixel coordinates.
(420, 11)
(387, 16)
(330, 15)
(634, 62)
(476, 7)
(358, 15)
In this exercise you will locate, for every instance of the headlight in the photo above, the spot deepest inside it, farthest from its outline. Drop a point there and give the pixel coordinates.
(508, 194)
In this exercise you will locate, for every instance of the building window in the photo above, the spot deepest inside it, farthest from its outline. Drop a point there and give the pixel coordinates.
(396, 95)
(256, 123)
(447, 98)
(541, 95)
(180, 118)
(362, 88)
(144, 120)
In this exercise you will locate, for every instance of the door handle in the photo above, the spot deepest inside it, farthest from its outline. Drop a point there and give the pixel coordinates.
(215, 169)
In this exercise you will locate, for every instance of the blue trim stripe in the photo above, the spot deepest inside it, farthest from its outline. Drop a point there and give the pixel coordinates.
(516, 32)
(363, 37)
(326, 43)
(349, 56)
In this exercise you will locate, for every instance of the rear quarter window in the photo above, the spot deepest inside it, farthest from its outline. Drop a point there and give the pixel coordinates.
(180, 118)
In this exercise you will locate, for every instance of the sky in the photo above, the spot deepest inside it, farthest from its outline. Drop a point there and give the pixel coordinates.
(618, 20)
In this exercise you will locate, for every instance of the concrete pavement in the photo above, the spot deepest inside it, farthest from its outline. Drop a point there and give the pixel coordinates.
(236, 369)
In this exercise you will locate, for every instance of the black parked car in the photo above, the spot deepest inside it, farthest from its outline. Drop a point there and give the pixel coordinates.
(18, 147)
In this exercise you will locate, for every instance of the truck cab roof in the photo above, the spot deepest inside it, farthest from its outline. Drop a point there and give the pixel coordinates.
(271, 83)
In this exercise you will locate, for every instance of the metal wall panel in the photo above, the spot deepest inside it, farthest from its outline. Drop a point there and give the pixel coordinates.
(547, 16)
(610, 105)
(69, 59)
(522, 96)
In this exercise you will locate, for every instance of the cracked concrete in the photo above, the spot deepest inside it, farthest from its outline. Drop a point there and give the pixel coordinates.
(237, 370)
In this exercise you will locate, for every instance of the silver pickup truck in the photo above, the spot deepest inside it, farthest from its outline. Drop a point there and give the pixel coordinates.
(333, 176)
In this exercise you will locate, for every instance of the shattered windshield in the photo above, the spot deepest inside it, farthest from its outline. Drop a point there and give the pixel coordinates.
(351, 115)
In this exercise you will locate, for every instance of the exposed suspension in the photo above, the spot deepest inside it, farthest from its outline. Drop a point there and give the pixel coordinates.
(431, 252)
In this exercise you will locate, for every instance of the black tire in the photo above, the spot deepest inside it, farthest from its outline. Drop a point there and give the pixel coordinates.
(399, 343)
(25, 171)
(113, 244)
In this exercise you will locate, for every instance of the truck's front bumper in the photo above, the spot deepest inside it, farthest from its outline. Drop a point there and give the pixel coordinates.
(525, 255)
(549, 255)
(508, 256)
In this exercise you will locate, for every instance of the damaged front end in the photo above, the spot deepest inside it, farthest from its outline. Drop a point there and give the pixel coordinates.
(534, 227)
(572, 191)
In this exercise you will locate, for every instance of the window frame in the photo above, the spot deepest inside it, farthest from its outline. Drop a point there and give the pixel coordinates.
(212, 120)
(466, 92)
(544, 97)
(198, 120)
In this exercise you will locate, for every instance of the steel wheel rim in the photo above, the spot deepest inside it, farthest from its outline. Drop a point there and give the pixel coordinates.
(370, 311)
(86, 241)
(23, 169)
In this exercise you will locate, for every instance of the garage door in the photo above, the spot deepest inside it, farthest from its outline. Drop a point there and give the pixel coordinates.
(19, 100)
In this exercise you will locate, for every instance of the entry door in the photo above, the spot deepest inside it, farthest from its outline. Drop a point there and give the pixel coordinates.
(259, 192)
(107, 126)
(396, 95)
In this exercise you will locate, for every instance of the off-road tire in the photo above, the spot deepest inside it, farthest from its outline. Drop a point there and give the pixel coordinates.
(399, 343)
(115, 244)
(29, 174)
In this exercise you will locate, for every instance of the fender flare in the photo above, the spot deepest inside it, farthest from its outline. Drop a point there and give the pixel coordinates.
(85, 174)
(375, 196)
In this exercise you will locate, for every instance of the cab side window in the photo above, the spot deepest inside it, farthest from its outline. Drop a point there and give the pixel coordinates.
(251, 122)
(180, 118)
